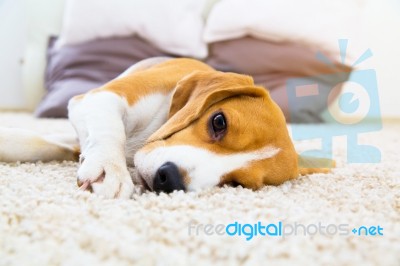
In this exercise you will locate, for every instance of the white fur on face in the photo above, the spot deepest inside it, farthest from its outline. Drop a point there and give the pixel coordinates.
(204, 168)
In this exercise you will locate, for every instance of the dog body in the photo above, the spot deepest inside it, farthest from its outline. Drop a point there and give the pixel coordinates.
(182, 124)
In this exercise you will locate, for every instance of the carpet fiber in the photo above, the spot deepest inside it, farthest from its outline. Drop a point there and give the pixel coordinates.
(45, 220)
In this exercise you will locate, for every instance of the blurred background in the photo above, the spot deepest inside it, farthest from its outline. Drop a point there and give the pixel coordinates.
(51, 50)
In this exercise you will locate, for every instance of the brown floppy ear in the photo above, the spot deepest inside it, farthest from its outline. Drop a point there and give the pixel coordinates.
(196, 92)
(311, 165)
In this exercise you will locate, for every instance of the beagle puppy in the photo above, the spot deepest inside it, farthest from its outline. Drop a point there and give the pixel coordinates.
(182, 124)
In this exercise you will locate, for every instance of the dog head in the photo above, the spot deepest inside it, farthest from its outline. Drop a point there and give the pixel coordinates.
(222, 129)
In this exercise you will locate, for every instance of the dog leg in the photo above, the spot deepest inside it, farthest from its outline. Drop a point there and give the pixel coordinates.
(27, 146)
(98, 119)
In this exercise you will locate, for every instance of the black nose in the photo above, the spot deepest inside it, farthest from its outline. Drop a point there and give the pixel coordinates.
(168, 179)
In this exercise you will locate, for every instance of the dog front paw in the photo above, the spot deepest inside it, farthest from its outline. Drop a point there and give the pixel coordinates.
(106, 177)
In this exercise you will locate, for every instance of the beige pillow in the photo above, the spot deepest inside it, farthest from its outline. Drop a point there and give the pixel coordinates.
(43, 19)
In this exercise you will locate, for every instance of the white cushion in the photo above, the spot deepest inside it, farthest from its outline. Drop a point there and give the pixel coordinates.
(173, 26)
(318, 23)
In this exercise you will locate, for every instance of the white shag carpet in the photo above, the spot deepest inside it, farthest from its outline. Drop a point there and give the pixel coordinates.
(45, 220)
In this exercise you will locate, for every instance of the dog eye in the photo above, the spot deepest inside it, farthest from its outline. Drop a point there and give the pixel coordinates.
(218, 125)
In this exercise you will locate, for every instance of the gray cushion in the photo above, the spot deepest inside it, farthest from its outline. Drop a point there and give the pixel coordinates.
(273, 64)
(76, 69)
